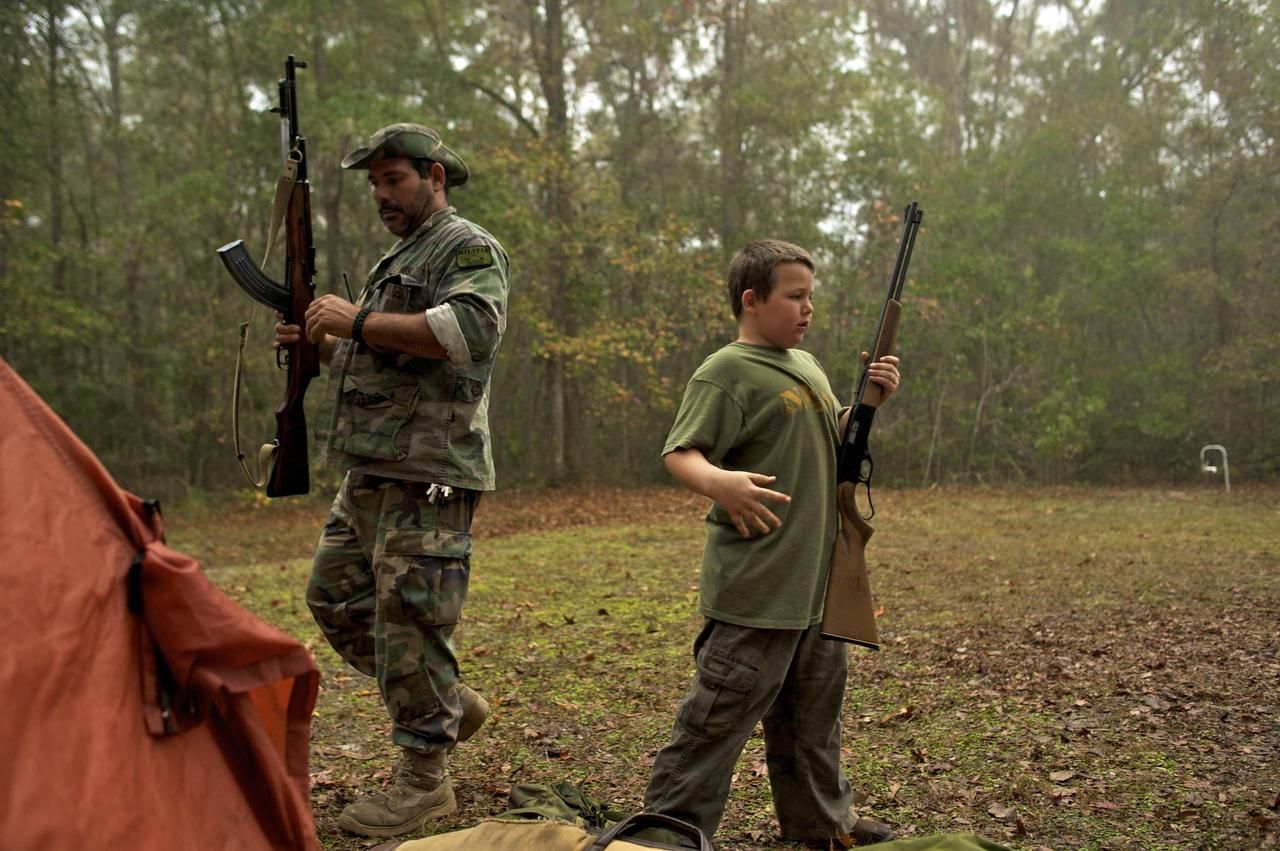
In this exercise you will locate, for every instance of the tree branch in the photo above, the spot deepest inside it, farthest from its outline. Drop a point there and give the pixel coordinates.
(438, 42)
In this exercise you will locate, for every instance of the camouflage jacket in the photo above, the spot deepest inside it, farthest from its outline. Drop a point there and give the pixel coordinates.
(391, 414)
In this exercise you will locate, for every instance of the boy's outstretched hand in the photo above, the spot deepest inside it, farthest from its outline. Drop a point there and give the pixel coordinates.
(737, 491)
(741, 494)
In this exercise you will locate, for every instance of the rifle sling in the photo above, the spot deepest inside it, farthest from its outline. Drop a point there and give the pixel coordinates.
(267, 452)
(279, 206)
(284, 189)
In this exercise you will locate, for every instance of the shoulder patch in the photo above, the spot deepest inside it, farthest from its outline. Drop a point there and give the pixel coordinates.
(474, 257)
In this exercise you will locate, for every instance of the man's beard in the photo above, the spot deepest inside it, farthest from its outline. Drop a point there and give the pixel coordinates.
(398, 227)
(409, 223)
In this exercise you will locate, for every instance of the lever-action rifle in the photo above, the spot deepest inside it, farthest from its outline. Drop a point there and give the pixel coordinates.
(282, 464)
(849, 614)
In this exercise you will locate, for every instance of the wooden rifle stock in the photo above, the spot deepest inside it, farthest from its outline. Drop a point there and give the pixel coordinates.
(849, 611)
(848, 614)
(290, 474)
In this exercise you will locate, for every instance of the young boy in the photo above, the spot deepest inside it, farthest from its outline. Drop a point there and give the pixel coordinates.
(757, 433)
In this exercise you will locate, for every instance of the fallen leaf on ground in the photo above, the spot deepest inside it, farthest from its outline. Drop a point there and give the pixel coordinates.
(999, 812)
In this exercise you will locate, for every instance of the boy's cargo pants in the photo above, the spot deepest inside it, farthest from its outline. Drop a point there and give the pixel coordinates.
(387, 587)
(793, 681)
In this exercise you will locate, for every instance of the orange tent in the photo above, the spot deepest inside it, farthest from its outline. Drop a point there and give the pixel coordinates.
(140, 707)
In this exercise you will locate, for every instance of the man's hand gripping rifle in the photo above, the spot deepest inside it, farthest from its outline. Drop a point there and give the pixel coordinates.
(849, 613)
(283, 463)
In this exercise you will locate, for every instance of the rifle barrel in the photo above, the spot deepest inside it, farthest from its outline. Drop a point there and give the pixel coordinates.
(911, 219)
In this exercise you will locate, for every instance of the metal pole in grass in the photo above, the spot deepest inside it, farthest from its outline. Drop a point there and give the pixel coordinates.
(1206, 467)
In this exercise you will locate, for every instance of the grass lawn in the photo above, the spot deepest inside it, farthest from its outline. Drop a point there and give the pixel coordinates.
(1062, 668)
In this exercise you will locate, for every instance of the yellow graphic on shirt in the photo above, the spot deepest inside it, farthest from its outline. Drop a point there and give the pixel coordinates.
(802, 398)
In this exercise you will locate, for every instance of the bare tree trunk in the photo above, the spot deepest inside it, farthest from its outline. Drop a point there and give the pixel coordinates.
(556, 400)
(133, 301)
(933, 437)
(549, 51)
(53, 41)
(729, 130)
(982, 401)
(332, 194)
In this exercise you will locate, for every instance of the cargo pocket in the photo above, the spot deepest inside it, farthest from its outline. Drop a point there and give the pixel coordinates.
(430, 573)
(720, 696)
(371, 419)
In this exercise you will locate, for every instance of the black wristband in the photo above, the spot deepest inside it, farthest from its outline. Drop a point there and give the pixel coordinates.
(357, 327)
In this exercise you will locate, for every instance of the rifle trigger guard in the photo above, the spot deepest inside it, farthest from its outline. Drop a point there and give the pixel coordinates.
(866, 466)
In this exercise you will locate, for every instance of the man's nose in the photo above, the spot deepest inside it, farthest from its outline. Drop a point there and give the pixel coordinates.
(380, 194)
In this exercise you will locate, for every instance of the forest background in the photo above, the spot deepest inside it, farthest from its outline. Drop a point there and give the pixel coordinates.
(1092, 296)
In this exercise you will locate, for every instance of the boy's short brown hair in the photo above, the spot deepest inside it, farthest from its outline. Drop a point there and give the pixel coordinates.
(752, 268)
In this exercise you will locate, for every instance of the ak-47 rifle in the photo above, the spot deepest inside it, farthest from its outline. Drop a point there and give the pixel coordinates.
(282, 464)
(849, 613)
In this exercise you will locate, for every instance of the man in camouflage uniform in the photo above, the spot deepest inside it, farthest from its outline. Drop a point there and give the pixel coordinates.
(407, 418)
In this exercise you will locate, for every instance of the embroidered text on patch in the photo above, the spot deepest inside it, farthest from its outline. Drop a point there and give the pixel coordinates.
(474, 256)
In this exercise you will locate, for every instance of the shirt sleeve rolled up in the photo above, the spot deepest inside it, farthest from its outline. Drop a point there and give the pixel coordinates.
(470, 315)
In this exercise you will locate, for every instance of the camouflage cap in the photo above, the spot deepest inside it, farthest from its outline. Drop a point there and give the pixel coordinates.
(413, 141)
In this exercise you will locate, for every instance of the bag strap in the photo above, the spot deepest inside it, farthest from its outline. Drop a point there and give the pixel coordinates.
(639, 821)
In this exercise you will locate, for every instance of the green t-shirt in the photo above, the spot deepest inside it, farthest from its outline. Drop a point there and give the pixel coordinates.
(771, 411)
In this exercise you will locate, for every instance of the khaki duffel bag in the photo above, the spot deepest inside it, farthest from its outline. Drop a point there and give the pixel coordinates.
(539, 835)
(542, 835)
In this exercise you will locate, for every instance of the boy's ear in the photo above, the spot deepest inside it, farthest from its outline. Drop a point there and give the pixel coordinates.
(750, 301)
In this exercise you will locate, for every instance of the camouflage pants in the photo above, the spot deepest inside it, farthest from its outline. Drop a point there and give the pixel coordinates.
(792, 681)
(387, 587)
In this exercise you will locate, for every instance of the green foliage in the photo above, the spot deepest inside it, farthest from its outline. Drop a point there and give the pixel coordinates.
(1091, 295)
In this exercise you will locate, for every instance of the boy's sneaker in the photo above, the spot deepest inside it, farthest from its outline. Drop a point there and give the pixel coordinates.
(865, 831)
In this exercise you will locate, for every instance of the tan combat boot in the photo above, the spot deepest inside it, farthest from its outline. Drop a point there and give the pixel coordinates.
(420, 791)
(474, 710)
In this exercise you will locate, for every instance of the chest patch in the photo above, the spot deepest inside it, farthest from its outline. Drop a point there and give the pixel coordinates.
(474, 257)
